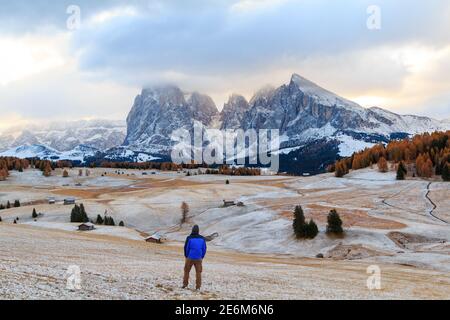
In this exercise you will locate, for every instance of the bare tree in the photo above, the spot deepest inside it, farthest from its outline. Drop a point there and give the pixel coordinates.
(184, 212)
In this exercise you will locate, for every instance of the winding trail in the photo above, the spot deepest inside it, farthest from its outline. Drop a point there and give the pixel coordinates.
(427, 196)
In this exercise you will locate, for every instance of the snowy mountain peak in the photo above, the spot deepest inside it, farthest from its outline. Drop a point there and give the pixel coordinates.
(65, 136)
(202, 107)
(322, 95)
(233, 111)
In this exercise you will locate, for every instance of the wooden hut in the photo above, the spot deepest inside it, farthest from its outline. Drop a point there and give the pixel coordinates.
(88, 226)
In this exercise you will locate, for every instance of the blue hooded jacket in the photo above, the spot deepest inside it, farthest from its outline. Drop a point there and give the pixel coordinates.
(195, 245)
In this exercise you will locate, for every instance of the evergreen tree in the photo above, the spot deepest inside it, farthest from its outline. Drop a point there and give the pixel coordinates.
(334, 223)
(312, 229)
(83, 215)
(227, 182)
(34, 215)
(446, 172)
(121, 224)
(99, 219)
(2, 207)
(75, 215)
(16, 204)
(8, 205)
(401, 171)
(299, 225)
(0, 219)
(111, 221)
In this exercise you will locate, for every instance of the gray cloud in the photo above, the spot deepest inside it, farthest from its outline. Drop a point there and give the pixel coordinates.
(206, 45)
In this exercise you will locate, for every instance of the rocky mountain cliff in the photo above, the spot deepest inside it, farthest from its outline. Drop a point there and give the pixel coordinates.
(303, 112)
(62, 140)
(316, 126)
(158, 111)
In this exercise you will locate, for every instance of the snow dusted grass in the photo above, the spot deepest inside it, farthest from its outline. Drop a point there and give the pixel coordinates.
(373, 203)
(34, 265)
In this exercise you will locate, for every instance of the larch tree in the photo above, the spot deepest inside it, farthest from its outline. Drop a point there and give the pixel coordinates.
(184, 212)
(382, 165)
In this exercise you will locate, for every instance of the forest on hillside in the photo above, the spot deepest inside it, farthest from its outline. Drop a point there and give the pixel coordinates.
(423, 155)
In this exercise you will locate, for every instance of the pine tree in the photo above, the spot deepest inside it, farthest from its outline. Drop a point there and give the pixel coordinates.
(312, 229)
(446, 172)
(99, 220)
(227, 182)
(8, 205)
(2, 207)
(299, 224)
(401, 171)
(0, 219)
(334, 223)
(83, 215)
(16, 203)
(121, 224)
(75, 214)
(34, 215)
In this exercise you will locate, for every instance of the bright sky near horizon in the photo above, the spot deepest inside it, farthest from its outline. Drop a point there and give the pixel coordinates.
(89, 59)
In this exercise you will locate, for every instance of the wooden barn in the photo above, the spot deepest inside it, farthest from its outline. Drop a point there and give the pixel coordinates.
(227, 203)
(88, 226)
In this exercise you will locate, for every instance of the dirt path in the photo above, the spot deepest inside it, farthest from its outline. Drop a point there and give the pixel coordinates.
(427, 196)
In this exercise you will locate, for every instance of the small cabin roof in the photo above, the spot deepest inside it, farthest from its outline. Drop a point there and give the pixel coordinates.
(155, 236)
(87, 224)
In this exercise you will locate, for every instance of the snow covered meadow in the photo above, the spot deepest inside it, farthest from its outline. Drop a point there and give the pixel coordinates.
(387, 222)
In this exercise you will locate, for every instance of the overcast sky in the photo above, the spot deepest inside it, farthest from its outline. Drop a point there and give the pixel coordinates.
(53, 68)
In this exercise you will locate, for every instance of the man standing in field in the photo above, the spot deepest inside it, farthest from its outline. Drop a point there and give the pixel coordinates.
(194, 251)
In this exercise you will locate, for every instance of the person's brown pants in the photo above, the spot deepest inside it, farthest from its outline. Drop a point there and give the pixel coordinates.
(198, 272)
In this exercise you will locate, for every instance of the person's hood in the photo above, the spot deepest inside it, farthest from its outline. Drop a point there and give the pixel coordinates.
(195, 230)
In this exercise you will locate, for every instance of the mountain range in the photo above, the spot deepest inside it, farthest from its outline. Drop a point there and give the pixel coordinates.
(316, 126)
